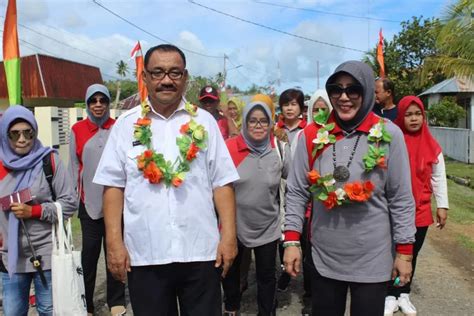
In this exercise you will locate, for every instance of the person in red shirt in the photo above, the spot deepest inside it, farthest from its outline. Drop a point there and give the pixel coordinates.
(209, 101)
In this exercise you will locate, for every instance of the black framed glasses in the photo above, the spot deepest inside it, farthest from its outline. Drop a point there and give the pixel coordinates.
(15, 135)
(254, 122)
(353, 92)
(160, 74)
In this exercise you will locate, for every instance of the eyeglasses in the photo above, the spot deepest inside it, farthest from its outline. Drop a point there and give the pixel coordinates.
(100, 100)
(353, 92)
(159, 74)
(15, 135)
(254, 122)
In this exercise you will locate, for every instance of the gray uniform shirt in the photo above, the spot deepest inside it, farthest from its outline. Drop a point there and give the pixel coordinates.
(91, 153)
(354, 242)
(256, 192)
(39, 228)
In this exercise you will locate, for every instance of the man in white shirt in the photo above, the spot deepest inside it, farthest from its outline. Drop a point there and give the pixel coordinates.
(171, 244)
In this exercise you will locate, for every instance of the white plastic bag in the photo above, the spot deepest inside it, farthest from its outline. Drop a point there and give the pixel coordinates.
(69, 296)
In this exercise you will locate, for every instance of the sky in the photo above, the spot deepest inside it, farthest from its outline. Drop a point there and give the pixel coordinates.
(282, 43)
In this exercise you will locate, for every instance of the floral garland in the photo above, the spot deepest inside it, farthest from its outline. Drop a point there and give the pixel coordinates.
(153, 164)
(324, 188)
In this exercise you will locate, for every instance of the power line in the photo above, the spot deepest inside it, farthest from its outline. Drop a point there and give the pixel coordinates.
(326, 12)
(54, 54)
(149, 33)
(62, 43)
(274, 29)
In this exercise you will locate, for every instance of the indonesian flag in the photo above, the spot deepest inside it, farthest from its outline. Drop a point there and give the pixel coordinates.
(380, 55)
(11, 54)
(138, 55)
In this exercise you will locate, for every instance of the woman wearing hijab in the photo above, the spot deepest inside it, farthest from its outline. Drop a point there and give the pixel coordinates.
(234, 115)
(21, 171)
(428, 177)
(88, 138)
(258, 158)
(319, 101)
(362, 200)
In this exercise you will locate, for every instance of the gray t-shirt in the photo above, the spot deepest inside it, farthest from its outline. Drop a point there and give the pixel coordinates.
(354, 242)
(256, 193)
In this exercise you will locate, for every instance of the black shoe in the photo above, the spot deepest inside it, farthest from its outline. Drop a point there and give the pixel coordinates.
(306, 310)
(283, 282)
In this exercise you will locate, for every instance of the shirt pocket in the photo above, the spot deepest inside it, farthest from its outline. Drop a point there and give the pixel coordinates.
(132, 171)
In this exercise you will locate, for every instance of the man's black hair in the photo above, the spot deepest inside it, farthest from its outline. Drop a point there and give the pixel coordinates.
(164, 48)
(388, 85)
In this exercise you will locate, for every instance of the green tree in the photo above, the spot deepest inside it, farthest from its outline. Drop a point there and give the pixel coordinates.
(455, 42)
(122, 71)
(446, 113)
(405, 55)
(128, 88)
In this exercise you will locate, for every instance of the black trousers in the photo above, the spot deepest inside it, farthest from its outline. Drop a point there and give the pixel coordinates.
(196, 285)
(93, 237)
(265, 260)
(329, 295)
(419, 240)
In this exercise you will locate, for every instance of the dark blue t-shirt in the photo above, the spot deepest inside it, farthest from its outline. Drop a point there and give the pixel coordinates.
(390, 114)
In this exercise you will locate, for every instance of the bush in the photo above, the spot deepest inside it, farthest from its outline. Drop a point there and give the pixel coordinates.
(446, 113)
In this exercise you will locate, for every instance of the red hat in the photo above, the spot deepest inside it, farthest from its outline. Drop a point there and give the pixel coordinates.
(209, 92)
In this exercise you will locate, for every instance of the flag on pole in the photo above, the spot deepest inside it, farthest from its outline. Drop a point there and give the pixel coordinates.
(11, 54)
(138, 55)
(380, 55)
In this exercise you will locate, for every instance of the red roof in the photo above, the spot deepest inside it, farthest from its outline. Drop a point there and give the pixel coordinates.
(48, 80)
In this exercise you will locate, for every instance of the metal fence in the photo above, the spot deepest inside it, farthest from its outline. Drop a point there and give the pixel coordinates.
(457, 143)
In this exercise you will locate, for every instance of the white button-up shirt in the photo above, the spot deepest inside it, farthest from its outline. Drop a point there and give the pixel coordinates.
(164, 225)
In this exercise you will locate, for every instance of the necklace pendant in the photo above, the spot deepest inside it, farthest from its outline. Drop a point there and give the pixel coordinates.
(341, 174)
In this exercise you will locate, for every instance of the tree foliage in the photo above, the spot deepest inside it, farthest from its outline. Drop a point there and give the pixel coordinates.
(446, 113)
(455, 42)
(405, 56)
(127, 88)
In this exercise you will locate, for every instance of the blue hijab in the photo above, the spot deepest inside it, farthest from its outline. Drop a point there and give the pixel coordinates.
(25, 168)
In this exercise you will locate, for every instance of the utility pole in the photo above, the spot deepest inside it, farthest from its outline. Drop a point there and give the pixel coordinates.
(317, 71)
(225, 71)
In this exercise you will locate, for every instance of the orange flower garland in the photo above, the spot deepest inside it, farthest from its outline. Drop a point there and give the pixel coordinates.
(153, 164)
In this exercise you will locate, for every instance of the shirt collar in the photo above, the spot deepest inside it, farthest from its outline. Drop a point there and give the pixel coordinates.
(301, 125)
(178, 109)
(242, 145)
(92, 127)
(364, 127)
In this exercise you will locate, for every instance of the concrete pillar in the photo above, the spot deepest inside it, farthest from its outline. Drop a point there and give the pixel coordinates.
(48, 129)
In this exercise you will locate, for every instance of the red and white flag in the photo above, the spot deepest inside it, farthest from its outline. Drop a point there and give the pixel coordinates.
(137, 49)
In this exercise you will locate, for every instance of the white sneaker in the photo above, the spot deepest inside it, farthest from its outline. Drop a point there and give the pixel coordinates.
(391, 305)
(405, 305)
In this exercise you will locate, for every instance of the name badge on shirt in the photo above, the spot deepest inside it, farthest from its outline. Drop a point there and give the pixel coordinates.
(136, 143)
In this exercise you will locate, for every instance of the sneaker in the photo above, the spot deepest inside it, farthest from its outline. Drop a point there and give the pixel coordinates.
(391, 305)
(283, 282)
(406, 306)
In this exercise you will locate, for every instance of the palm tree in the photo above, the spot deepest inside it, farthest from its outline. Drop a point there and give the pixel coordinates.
(455, 41)
(122, 71)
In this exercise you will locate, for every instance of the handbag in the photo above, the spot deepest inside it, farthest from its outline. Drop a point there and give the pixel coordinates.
(69, 295)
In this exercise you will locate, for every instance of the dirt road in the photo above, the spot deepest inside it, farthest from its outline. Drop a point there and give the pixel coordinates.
(443, 285)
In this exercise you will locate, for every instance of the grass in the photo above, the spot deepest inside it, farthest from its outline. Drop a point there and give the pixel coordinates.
(461, 203)
(459, 169)
(465, 241)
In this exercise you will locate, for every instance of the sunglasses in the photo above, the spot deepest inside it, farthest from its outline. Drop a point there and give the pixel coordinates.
(15, 135)
(100, 100)
(353, 92)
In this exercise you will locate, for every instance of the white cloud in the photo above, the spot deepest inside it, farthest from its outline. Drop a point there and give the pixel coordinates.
(73, 21)
(33, 10)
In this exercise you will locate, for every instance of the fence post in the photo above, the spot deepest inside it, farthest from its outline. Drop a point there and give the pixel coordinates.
(48, 129)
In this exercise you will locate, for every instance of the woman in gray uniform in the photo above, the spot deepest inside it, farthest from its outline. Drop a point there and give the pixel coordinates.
(355, 167)
(258, 157)
(26, 222)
